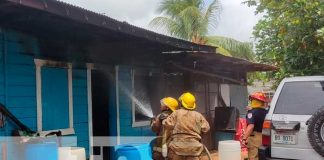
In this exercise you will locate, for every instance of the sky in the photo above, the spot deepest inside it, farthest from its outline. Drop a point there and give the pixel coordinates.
(236, 19)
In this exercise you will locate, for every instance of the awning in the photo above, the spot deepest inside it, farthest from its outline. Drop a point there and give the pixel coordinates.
(210, 61)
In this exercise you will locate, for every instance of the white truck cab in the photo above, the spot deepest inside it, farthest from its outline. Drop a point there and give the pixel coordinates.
(296, 119)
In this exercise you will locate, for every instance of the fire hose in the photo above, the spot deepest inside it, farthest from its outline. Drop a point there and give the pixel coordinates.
(207, 152)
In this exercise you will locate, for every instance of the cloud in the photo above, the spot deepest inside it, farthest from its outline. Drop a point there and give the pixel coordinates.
(236, 19)
(137, 12)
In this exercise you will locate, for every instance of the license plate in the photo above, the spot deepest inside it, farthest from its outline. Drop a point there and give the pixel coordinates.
(284, 139)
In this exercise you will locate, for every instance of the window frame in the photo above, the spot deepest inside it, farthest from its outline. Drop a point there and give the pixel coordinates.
(55, 64)
(134, 122)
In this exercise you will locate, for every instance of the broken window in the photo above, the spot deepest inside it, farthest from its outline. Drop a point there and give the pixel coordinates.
(147, 92)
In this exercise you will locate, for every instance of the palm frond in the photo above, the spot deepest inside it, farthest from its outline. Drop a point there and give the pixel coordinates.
(212, 13)
(172, 8)
(223, 51)
(236, 48)
(164, 24)
(190, 19)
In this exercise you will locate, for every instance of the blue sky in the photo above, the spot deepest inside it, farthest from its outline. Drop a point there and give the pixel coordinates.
(236, 20)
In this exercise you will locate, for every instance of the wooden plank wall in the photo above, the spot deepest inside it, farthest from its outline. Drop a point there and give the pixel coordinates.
(18, 85)
(80, 108)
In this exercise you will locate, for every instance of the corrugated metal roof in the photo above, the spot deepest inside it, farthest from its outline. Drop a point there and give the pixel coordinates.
(85, 16)
(217, 61)
(49, 14)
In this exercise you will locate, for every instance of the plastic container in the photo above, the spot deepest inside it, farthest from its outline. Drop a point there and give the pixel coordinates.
(42, 151)
(223, 136)
(71, 153)
(229, 150)
(133, 152)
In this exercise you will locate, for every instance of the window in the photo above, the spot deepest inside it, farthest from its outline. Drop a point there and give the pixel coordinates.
(144, 97)
(213, 95)
(200, 94)
(300, 98)
(239, 98)
(54, 97)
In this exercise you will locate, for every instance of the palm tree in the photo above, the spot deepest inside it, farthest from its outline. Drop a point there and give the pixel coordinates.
(187, 19)
(192, 20)
(235, 48)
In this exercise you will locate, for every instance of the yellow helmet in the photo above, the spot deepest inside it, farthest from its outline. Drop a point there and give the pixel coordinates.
(170, 103)
(258, 99)
(257, 103)
(188, 101)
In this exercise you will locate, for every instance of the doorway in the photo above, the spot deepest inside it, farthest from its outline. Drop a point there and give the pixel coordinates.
(100, 108)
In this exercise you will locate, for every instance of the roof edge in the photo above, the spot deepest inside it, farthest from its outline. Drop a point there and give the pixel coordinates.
(73, 12)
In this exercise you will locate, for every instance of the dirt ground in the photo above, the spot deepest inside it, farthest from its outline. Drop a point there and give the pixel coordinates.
(214, 155)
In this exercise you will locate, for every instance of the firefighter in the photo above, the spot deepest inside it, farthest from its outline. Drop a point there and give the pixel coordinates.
(252, 137)
(187, 127)
(168, 105)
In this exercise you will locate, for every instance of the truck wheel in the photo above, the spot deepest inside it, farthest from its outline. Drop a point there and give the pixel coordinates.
(315, 131)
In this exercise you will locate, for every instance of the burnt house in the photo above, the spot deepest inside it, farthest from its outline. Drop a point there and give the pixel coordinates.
(66, 68)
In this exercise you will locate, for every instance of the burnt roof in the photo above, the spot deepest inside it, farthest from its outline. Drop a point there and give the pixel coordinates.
(33, 14)
(64, 23)
(213, 62)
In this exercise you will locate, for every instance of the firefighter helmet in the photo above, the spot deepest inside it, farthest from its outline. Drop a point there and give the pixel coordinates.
(258, 99)
(188, 101)
(258, 96)
(170, 103)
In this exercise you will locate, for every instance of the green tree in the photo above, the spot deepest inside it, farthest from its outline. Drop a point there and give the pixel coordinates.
(192, 20)
(235, 48)
(187, 19)
(320, 35)
(289, 35)
(244, 50)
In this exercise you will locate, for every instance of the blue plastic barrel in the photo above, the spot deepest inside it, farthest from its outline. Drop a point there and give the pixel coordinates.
(42, 151)
(138, 151)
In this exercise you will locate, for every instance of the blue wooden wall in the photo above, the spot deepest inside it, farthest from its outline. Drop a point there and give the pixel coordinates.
(19, 78)
(18, 85)
(80, 108)
(18, 90)
(2, 70)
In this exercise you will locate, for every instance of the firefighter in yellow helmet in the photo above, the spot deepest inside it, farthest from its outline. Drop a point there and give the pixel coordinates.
(255, 118)
(168, 105)
(187, 127)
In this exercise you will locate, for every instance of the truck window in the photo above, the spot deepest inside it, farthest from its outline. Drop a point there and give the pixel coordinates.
(300, 98)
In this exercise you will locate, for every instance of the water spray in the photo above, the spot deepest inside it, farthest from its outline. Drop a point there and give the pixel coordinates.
(144, 108)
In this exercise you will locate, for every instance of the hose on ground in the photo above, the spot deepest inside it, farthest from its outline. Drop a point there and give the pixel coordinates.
(208, 153)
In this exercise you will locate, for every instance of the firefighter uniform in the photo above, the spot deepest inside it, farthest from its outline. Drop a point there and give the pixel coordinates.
(255, 116)
(168, 105)
(162, 134)
(187, 127)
